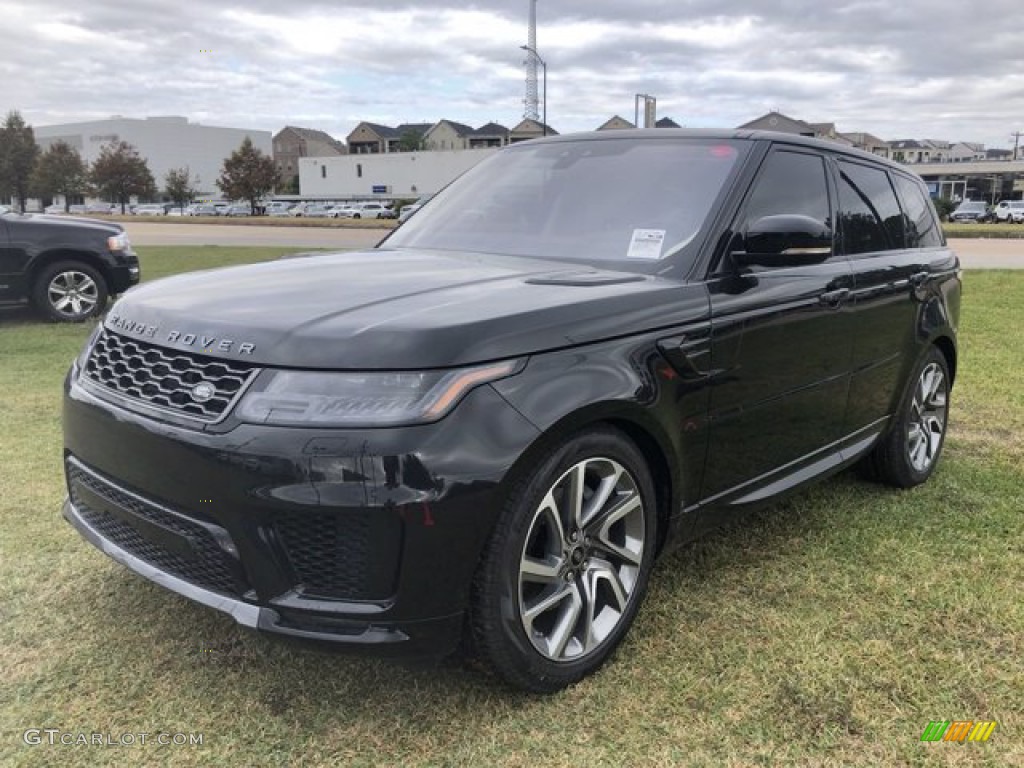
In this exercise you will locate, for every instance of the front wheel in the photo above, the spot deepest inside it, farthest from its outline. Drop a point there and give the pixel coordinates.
(566, 569)
(70, 292)
(908, 454)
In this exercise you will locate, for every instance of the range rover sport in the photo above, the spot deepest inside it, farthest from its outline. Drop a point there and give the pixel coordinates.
(584, 351)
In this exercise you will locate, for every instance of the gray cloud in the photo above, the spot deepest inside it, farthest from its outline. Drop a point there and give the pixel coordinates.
(939, 69)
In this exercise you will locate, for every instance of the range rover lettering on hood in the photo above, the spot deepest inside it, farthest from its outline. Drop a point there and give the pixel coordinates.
(180, 338)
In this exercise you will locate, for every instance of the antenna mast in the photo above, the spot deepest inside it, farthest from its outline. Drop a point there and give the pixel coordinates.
(531, 102)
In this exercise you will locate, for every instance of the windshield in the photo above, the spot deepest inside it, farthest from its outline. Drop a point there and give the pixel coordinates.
(971, 207)
(628, 203)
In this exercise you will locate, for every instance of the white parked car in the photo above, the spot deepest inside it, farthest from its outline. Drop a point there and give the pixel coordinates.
(53, 209)
(409, 210)
(372, 211)
(277, 208)
(317, 211)
(1009, 211)
(343, 211)
(237, 209)
(150, 209)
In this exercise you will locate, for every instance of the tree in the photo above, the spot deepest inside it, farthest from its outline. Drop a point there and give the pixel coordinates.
(248, 174)
(289, 186)
(18, 153)
(120, 172)
(60, 171)
(410, 141)
(179, 186)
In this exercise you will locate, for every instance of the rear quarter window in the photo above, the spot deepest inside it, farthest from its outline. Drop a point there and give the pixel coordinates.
(870, 217)
(922, 226)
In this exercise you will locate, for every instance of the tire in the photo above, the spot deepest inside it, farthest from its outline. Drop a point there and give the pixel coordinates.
(355, 216)
(909, 452)
(552, 598)
(70, 292)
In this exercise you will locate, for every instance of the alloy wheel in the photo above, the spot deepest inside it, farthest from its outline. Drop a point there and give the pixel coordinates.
(581, 559)
(927, 418)
(72, 293)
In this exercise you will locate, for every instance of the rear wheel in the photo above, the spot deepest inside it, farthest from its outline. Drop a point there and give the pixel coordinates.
(909, 452)
(568, 564)
(70, 292)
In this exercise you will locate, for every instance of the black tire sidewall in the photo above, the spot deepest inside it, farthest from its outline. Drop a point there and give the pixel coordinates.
(508, 646)
(40, 291)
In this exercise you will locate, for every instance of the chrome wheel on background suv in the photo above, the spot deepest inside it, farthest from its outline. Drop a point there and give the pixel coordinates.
(69, 292)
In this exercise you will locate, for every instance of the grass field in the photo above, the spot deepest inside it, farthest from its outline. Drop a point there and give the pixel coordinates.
(826, 630)
(1002, 231)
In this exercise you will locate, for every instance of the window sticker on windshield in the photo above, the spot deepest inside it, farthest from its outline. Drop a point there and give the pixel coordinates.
(646, 244)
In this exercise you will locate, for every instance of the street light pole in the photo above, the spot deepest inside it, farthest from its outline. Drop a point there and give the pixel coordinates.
(544, 69)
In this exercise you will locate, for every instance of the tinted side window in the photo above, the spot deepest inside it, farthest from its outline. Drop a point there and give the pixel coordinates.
(922, 229)
(870, 216)
(790, 182)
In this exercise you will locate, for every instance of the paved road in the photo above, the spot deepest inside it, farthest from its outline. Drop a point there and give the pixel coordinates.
(989, 253)
(979, 253)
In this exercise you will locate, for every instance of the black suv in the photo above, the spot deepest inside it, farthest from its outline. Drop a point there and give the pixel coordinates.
(66, 266)
(585, 350)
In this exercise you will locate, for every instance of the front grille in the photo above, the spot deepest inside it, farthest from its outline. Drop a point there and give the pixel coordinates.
(327, 552)
(211, 567)
(164, 378)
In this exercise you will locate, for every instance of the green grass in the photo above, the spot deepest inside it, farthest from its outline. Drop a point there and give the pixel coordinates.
(825, 630)
(1000, 231)
(257, 221)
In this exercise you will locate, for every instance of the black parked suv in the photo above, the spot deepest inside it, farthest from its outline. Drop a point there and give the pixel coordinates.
(585, 350)
(66, 266)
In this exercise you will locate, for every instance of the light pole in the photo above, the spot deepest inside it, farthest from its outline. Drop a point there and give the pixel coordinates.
(544, 69)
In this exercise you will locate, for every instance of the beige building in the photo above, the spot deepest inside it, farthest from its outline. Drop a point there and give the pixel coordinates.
(615, 123)
(530, 129)
(291, 143)
(447, 134)
(489, 136)
(377, 139)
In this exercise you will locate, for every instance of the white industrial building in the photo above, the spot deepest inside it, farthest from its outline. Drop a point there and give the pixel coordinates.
(166, 143)
(391, 175)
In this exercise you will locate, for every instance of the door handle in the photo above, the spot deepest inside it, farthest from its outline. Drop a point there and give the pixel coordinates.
(918, 278)
(833, 298)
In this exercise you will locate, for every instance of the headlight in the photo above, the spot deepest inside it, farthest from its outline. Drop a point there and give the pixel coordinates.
(309, 398)
(118, 242)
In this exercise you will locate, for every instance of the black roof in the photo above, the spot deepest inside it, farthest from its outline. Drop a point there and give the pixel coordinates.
(491, 129)
(742, 134)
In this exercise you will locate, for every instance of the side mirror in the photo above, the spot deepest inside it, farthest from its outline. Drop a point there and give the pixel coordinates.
(785, 241)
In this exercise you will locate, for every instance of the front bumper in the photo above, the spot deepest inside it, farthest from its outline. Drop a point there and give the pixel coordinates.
(366, 540)
(427, 637)
(124, 273)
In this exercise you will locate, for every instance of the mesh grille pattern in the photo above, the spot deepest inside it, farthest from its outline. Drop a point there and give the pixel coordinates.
(211, 567)
(165, 378)
(328, 552)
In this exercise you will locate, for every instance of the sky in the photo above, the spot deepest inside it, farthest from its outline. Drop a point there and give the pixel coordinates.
(897, 69)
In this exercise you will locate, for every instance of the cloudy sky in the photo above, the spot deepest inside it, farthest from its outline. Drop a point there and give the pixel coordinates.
(899, 69)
